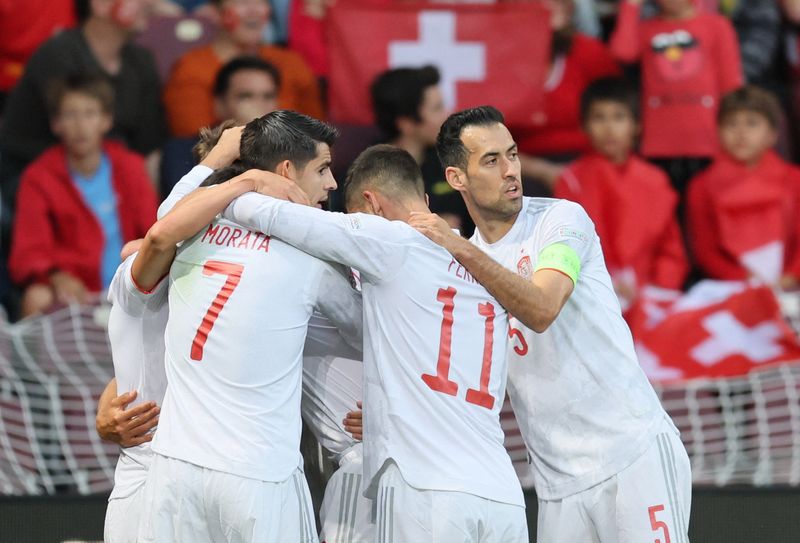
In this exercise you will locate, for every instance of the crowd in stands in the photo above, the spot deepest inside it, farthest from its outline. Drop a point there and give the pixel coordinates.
(671, 121)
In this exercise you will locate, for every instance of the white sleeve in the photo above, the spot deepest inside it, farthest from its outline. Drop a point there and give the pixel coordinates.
(340, 302)
(324, 339)
(125, 294)
(567, 223)
(373, 245)
(187, 184)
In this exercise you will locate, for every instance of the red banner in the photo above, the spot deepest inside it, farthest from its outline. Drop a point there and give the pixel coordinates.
(718, 329)
(493, 54)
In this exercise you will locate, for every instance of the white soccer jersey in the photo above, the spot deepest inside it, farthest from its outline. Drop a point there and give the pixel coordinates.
(135, 330)
(239, 306)
(584, 406)
(434, 349)
(332, 384)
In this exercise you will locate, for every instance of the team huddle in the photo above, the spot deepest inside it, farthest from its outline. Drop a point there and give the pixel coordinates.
(247, 308)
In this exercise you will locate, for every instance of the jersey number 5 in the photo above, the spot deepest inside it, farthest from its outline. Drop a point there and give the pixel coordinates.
(441, 381)
(234, 273)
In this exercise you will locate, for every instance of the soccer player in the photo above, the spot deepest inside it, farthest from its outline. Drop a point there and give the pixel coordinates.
(607, 461)
(434, 358)
(227, 462)
(136, 328)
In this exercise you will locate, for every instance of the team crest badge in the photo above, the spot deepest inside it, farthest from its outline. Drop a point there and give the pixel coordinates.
(524, 267)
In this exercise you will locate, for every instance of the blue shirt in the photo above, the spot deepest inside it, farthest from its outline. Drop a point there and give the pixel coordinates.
(98, 193)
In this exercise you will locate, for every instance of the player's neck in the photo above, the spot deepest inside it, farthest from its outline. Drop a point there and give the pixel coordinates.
(105, 41)
(492, 227)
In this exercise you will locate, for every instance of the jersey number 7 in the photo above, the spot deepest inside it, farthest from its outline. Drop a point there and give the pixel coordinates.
(441, 381)
(234, 273)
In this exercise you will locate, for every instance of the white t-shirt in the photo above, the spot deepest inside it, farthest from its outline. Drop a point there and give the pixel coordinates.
(135, 331)
(239, 306)
(434, 349)
(332, 384)
(584, 406)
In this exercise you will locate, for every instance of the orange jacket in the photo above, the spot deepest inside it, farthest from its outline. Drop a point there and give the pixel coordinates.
(189, 93)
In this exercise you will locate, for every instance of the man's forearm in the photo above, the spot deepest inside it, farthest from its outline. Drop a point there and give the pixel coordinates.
(187, 218)
(524, 300)
(186, 185)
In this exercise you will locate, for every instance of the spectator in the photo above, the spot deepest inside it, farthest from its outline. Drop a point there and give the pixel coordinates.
(23, 28)
(79, 201)
(409, 111)
(743, 210)
(189, 93)
(642, 243)
(245, 88)
(689, 60)
(101, 45)
(576, 60)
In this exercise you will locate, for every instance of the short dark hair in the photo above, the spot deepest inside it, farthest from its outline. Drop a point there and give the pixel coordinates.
(92, 85)
(751, 98)
(283, 135)
(389, 169)
(223, 80)
(449, 146)
(610, 89)
(224, 174)
(399, 93)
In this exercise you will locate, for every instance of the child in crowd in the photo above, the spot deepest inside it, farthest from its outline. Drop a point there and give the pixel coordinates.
(629, 200)
(79, 202)
(689, 60)
(743, 211)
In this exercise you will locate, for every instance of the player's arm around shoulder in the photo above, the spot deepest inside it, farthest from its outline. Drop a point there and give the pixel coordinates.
(536, 301)
(337, 299)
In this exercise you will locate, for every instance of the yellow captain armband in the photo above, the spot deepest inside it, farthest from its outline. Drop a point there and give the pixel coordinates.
(562, 258)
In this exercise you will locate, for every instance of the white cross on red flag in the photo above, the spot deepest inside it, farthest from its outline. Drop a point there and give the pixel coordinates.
(717, 329)
(493, 54)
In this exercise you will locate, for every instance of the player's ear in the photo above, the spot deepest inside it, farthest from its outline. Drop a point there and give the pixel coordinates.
(286, 169)
(455, 178)
(373, 204)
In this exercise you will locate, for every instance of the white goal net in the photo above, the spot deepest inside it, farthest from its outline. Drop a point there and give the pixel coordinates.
(743, 430)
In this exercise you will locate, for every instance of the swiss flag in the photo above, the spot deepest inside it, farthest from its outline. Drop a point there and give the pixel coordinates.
(717, 329)
(487, 54)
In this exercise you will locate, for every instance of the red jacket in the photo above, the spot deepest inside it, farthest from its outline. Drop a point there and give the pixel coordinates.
(55, 229)
(687, 66)
(633, 209)
(556, 128)
(745, 222)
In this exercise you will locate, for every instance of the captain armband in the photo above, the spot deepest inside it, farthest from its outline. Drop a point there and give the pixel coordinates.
(562, 258)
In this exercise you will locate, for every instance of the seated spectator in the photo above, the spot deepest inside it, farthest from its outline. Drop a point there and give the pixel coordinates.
(556, 136)
(244, 89)
(409, 110)
(101, 45)
(630, 201)
(689, 60)
(743, 210)
(188, 95)
(79, 202)
(24, 26)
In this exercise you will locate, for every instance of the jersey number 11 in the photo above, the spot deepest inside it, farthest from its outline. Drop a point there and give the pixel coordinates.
(441, 381)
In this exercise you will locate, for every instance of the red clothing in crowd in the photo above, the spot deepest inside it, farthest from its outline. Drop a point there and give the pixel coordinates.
(633, 208)
(687, 66)
(307, 37)
(746, 221)
(556, 128)
(24, 26)
(54, 229)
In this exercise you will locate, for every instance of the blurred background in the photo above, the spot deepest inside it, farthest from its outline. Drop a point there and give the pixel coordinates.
(673, 122)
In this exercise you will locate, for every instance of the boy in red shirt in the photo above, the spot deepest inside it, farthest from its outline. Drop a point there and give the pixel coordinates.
(689, 60)
(743, 211)
(78, 203)
(629, 200)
